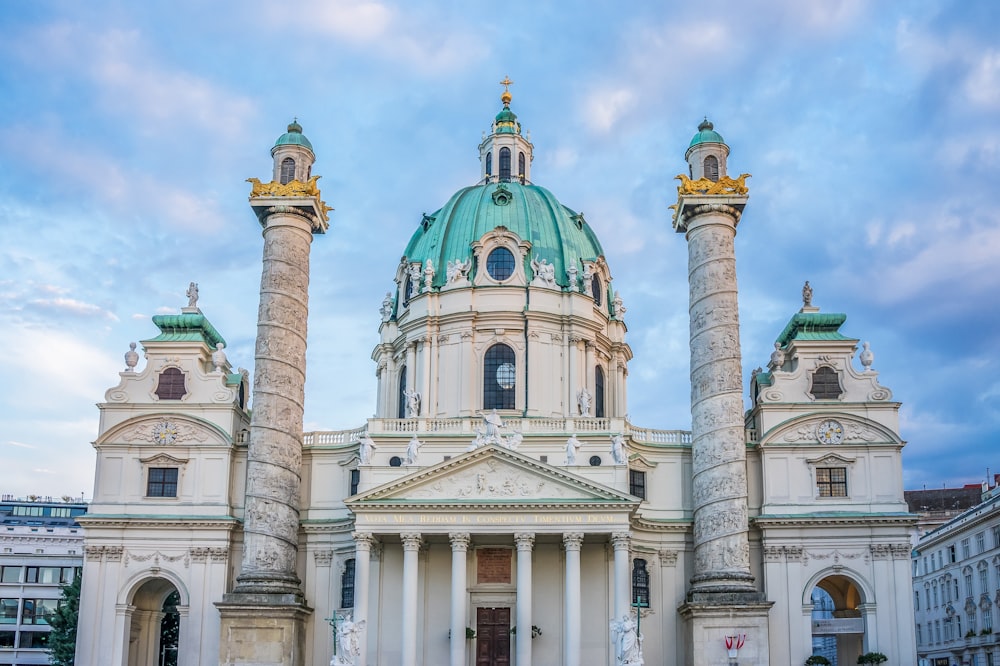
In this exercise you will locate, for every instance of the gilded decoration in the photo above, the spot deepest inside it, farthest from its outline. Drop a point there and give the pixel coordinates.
(725, 185)
(293, 188)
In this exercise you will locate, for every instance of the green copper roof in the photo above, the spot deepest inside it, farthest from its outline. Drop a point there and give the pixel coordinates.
(706, 134)
(813, 326)
(556, 233)
(186, 328)
(294, 137)
(506, 121)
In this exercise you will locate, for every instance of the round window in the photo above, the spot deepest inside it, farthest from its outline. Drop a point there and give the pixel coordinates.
(500, 264)
(506, 376)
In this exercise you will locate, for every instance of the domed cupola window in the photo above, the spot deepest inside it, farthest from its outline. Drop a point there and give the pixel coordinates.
(596, 288)
(504, 165)
(489, 163)
(499, 377)
(287, 170)
(520, 167)
(712, 168)
(500, 264)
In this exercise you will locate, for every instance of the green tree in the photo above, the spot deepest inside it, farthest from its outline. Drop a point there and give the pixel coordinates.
(62, 637)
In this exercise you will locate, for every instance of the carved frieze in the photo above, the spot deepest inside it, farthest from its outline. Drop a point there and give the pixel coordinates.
(494, 479)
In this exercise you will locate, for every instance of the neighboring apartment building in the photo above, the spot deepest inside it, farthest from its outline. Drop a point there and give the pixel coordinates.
(956, 585)
(41, 549)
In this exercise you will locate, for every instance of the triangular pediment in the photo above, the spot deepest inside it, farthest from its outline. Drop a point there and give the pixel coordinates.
(487, 476)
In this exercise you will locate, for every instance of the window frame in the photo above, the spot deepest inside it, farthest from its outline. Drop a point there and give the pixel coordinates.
(494, 396)
(347, 580)
(640, 582)
(504, 160)
(637, 483)
(711, 173)
(177, 382)
(284, 175)
(824, 391)
(162, 484)
(830, 483)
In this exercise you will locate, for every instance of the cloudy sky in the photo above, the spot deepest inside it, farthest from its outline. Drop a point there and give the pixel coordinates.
(127, 130)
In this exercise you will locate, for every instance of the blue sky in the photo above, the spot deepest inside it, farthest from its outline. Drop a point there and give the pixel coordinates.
(127, 130)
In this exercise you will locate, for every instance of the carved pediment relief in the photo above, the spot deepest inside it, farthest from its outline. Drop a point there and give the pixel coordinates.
(830, 429)
(831, 459)
(163, 459)
(164, 430)
(492, 474)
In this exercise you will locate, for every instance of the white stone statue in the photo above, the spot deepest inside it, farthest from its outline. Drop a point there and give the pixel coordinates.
(365, 448)
(478, 440)
(588, 275)
(428, 275)
(192, 294)
(572, 446)
(618, 451)
(545, 273)
(413, 450)
(458, 270)
(131, 358)
(618, 306)
(493, 424)
(514, 441)
(583, 400)
(867, 357)
(627, 642)
(414, 280)
(412, 403)
(349, 634)
(807, 295)
(777, 358)
(219, 357)
(571, 276)
(386, 309)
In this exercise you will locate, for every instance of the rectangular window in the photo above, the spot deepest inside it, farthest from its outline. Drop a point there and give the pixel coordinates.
(60, 512)
(46, 575)
(38, 611)
(8, 611)
(951, 553)
(347, 585)
(6, 639)
(355, 480)
(968, 585)
(988, 619)
(916, 601)
(34, 639)
(640, 583)
(981, 542)
(984, 580)
(972, 621)
(162, 482)
(965, 549)
(637, 483)
(831, 481)
(10, 574)
(996, 536)
(27, 511)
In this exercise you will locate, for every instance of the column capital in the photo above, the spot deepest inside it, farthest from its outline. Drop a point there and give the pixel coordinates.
(572, 540)
(621, 540)
(411, 540)
(364, 540)
(459, 540)
(524, 540)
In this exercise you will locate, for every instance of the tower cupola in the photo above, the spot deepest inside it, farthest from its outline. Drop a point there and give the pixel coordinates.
(706, 156)
(293, 155)
(505, 155)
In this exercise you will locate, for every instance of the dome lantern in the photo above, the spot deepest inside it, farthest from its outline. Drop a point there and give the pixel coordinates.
(707, 153)
(293, 155)
(505, 156)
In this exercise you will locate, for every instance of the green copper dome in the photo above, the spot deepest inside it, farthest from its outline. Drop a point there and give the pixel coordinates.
(556, 233)
(706, 134)
(294, 137)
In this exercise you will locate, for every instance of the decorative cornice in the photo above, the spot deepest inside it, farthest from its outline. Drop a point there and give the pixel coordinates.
(905, 519)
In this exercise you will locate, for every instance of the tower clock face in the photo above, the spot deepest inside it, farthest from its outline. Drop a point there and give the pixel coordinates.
(164, 432)
(830, 432)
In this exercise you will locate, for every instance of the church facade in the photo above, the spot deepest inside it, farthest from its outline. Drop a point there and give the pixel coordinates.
(499, 508)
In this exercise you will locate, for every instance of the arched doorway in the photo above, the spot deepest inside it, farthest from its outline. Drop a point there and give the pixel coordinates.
(154, 626)
(838, 625)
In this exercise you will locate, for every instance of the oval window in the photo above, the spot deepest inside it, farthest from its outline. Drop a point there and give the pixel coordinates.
(506, 375)
(500, 264)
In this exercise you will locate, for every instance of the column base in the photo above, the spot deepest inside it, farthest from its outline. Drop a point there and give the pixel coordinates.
(262, 629)
(710, 617)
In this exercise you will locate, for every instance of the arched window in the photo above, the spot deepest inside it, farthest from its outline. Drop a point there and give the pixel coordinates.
(520, 166)
(505, 164)
(407, 285)
(401, 412)
(595, 289)
(287, 170)
(489, 163)
(825, 384)
(170, 385)
(500, 264)
(599, 392)
(499, 377)
(640, 583)
(347, 585)
(712, 168)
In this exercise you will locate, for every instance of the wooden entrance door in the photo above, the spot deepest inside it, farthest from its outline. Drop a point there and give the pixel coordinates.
(492, 637)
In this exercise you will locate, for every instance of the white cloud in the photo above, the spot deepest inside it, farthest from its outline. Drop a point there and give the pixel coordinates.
(604, 108)
(982, 86)
(21, 445)
(73, 307)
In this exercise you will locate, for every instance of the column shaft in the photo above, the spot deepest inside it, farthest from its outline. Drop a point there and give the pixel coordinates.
(571, 632)
(362, 569)
(408, 635)
(620, 542)
(525, 541)
(459, 548)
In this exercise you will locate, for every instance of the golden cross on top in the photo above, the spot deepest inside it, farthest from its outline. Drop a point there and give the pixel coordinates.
(506, 83)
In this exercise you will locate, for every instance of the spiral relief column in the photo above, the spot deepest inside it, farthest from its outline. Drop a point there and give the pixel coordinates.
(709, 207)
(267, 595)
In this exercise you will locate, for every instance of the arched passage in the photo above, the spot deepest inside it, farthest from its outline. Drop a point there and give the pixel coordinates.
(838, 623)
(154, 624)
